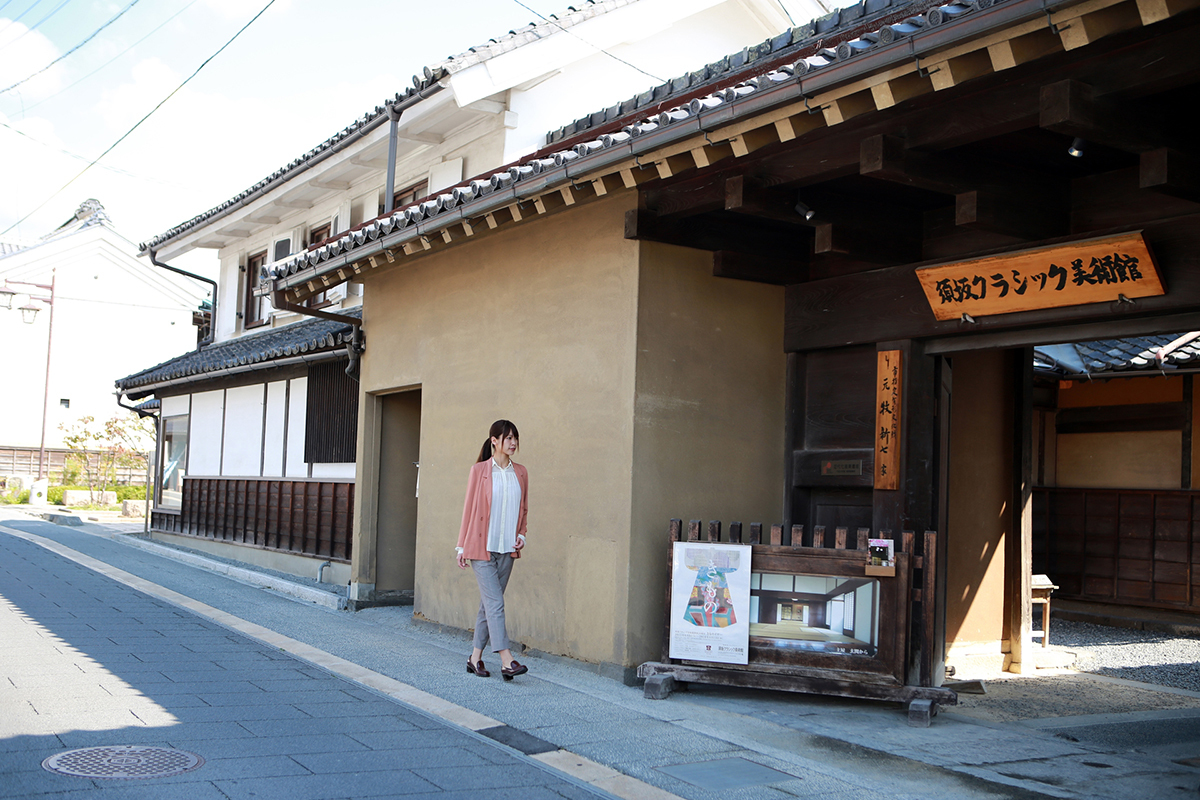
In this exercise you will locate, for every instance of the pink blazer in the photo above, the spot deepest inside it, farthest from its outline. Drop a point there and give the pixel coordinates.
(477, 510)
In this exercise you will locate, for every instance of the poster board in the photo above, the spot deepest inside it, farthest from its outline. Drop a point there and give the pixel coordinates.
(889, 376)
(710, 602)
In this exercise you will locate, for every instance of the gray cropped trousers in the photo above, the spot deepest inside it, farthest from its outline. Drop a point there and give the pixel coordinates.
(492, 577)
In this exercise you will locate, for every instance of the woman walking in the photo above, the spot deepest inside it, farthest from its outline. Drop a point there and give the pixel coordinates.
(492, 536)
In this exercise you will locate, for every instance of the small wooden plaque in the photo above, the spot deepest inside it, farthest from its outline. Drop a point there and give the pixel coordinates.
(887, 572)
(1073, 274)
(888, 378)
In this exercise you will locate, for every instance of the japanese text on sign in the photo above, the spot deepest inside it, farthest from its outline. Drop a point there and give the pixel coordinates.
(888, 377)
(1092, 271)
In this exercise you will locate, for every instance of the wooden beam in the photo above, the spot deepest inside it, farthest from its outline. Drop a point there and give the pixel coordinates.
(715, 232)
(1072, 108)
(1152, 11)
(777, 271)
(1170, 172)
(1015, 211)
(745, 196)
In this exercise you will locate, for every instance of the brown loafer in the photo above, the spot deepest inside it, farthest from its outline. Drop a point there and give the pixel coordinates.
(477, 669)
(512, 670)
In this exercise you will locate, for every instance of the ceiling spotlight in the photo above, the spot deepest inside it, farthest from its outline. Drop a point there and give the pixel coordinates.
(1076, 148)
(804, 211)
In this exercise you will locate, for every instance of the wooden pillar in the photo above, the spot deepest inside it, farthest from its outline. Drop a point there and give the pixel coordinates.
(1018, 563)
(795, 503)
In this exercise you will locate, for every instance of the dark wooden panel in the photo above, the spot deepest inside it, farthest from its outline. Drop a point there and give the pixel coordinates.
(840, 399)
(1114, 419)
(310, 517)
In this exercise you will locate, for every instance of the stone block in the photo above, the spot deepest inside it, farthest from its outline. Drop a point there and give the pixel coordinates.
(82, 497)
(133, 508)
(658, 687)
(920, 712)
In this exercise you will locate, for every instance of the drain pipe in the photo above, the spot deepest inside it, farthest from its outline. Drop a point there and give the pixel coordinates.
(353, 350)
(151, 460)
(321, 571)
(389, 189)
(212, 325)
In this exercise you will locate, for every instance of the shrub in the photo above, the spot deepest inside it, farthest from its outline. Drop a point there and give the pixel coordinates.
(134, 492)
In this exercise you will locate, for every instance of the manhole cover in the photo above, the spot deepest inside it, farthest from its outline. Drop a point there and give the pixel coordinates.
(123, 761)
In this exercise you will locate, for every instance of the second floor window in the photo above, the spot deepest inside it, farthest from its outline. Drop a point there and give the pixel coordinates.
(256, 308)
(316, 236)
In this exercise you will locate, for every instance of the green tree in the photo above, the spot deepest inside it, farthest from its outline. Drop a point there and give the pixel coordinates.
(98, 451)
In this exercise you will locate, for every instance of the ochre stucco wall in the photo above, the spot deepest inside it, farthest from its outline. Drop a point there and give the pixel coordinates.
(535, 324)
(1120, 459)
(708, 432)
(981, 447)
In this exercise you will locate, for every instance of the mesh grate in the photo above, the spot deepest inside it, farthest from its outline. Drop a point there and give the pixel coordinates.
(123, 761)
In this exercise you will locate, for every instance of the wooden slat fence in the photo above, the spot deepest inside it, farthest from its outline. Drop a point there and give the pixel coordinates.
(312, 518)
(1129, 546)
(834, 552)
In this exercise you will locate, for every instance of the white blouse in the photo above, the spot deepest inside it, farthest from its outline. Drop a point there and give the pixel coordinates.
(506, 509)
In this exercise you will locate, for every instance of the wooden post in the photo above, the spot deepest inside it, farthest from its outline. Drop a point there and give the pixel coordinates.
(928, 608)
(735, 532)
(1019, 553)
(864, 536)
(839, 537)
(797, 536)
(694, 531)
(755, 532)
(818, 536)
(714, 530)
(674, 531)
(776, 535)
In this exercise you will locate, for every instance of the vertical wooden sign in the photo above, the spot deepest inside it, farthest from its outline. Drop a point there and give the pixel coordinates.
(888, 377)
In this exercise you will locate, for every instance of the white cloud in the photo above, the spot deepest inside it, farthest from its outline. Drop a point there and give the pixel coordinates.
(23, 53)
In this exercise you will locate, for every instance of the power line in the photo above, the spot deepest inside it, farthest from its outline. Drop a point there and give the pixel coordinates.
(91, 36)
(17, 18)
(78, 157)
(38, 24)
(585, 41)
(111, 60)
(138, 124)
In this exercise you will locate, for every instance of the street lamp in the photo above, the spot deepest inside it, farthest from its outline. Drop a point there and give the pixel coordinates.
(28, 314)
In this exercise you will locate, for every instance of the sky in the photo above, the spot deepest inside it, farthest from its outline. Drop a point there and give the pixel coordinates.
(302, 71)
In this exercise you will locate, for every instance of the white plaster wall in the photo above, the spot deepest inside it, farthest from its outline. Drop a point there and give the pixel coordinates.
(345, 471)
(174, 406)
(273, 437)
(243, 431)
(297, 404)
(114, 315)
(204, 441)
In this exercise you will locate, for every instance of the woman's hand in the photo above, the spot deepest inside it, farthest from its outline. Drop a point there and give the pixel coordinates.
(519, 544)
(462, 561)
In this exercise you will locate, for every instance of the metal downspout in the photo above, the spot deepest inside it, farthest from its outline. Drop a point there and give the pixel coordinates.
(151, 460)
(356, 346)
(389, 189)
(212, 327)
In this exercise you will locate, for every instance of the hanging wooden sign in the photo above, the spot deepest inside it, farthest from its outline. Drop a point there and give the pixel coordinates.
(888, 377)
(1099, 270)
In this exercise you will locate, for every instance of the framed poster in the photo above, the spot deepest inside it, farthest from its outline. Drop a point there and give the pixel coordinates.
(710, 602)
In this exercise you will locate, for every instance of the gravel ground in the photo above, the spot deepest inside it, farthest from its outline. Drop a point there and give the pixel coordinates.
(1145, 656)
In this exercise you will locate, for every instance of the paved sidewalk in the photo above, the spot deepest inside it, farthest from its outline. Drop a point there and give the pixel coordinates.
(88, 662)
(710, 742)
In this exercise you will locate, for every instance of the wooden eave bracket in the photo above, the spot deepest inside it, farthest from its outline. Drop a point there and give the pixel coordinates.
(1071, 108)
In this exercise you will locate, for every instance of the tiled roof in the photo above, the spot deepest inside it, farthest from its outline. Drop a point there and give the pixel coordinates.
(310, 335)
(1161, 352)
(787, 58)
(423, 81)
(840, 24)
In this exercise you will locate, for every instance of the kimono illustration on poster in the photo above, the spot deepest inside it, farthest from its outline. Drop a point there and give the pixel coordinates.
(710, 602)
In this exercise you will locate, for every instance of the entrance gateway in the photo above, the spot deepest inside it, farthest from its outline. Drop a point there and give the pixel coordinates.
(953, 233)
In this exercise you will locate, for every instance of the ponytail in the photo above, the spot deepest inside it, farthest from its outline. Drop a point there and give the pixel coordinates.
(500, 428)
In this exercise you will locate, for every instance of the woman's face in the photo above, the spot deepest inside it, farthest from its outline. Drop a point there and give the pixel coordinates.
(507, 445)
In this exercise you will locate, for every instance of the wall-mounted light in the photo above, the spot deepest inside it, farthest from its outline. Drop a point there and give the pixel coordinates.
(1076, 148)
(804, 211)
(6, 298)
